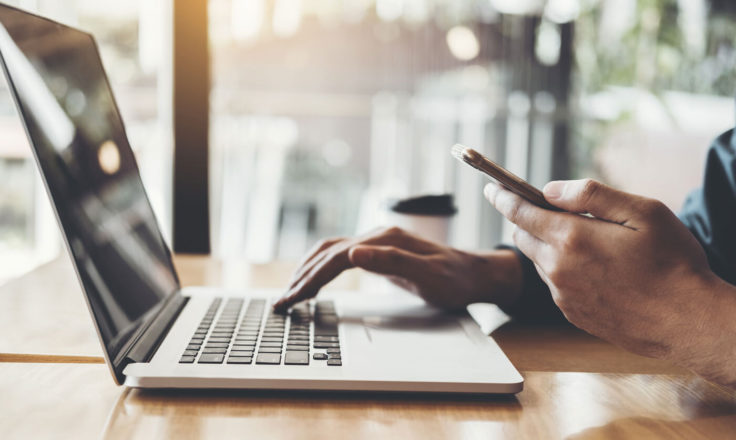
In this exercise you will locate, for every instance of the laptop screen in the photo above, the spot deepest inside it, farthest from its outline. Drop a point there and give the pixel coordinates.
(77, 134)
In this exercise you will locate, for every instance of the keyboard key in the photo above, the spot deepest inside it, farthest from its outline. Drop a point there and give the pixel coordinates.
(269, 350)
(326, 338)
(268, 358)
(272, 339)
(187, 360)
(245, 339)
(212, 358)
(193, 346)
(244, 342)
(271, 344)
(244, 346)
(241, 353)
(326, 345)
(333, 351)
(210, 350)
(217, 344)
(320, 356)
(296, 358)
(333, 362)
(190, 352)
(240, 360)
(335, 356)
(218, 340)
(298, 342)
(297, 348)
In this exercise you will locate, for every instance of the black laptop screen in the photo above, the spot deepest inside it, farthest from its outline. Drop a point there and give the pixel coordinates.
(66, 104)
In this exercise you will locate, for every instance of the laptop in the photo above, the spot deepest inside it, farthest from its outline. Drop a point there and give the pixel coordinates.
(156, 333)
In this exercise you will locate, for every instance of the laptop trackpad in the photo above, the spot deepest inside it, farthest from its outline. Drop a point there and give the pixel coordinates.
(407, 330)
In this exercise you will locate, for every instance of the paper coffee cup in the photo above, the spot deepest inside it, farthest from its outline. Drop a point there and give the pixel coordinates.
(427, 216)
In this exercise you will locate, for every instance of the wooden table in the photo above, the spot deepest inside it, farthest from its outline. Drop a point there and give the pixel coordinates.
(53, 383)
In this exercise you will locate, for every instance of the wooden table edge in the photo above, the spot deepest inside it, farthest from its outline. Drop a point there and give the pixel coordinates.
(49, 359)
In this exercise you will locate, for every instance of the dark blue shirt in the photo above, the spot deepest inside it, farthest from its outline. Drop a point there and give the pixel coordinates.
(709, 213)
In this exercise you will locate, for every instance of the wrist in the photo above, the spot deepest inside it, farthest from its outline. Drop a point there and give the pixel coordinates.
(710, 351)
(500, 277)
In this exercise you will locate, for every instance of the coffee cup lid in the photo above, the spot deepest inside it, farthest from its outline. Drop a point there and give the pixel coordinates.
(440, 205)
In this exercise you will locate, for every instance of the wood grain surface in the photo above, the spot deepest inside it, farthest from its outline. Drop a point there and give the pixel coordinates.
(53, 383)
(80, 401)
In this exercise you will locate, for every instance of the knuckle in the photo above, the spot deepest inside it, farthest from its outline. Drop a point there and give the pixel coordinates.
(514, 209)
(393, 231)
(327, 242)
(653, 208)
(571, 239)
(588, 189)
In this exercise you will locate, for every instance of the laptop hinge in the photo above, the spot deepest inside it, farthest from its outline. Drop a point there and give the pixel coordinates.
(144, 348)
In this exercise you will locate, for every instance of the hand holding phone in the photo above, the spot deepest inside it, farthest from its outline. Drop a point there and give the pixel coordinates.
(509, 180)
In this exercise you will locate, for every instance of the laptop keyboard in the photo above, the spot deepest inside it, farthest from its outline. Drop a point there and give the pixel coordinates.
(296, 338)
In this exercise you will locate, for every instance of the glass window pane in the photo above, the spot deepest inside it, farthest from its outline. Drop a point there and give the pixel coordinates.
(324, 110)
(656, 85)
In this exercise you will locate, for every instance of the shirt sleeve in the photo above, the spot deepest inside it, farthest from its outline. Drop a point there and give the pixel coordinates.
(535, 303)
(710, 211)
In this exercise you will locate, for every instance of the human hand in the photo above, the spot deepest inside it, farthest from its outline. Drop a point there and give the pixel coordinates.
(444, 277)
(632, 274)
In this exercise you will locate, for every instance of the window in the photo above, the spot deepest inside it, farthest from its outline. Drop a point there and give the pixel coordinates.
(323, 111)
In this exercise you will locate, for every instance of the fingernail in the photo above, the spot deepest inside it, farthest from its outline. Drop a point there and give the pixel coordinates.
(554, 190)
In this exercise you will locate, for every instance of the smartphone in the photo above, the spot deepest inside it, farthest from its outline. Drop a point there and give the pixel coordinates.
(512, 182)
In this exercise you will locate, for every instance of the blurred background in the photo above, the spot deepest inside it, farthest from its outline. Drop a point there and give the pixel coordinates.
(321, 110)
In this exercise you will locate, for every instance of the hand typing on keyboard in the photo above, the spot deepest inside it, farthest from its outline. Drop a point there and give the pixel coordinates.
(444, 277)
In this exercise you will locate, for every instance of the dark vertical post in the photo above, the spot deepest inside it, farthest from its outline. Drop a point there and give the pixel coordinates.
(562, 165)
(191, 87)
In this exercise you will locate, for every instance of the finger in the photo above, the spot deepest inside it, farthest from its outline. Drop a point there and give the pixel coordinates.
(312, 256)
(592, 197)
(320, 274)
(388, 260)
(542, 223)
(399, 238)
(529, 245)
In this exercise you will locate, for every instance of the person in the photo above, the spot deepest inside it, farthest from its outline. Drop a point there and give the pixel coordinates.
(630, 272)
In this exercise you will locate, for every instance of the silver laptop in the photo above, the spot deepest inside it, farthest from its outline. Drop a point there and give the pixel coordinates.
(157, 334)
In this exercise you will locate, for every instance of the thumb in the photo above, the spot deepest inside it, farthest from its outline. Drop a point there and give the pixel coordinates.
(387, 260)
(592, 197)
